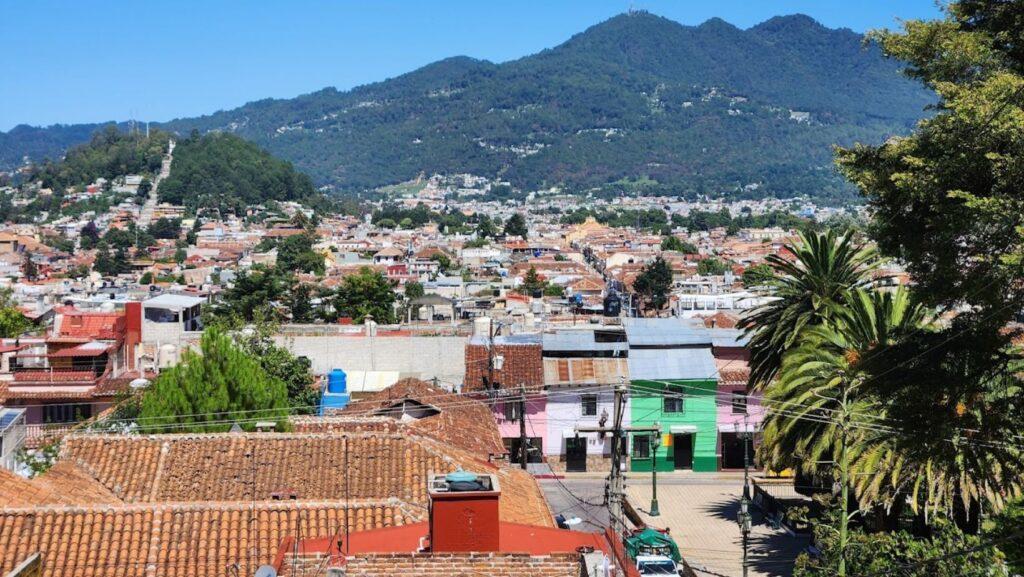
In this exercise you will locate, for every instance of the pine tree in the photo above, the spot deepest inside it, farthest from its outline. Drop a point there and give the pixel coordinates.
(210, 390)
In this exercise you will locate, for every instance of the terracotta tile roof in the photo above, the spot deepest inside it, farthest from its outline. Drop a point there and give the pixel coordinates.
(103, 326)
(463, 422)
(63, 484)
(215, 467)
(463, 565)
(179, 540)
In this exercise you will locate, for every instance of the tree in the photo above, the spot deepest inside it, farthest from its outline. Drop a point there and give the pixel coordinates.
(180, 255)
(842, 351)
(413, 290)
(485, 226)
(251, 295)
(673, 243)
(808, 290)
(367, 292)
(757, 275)
(12, 322)
(166, 228)
(711, 267)
(30, 269)
(89, 236)
(111, 265)
(516, 226)
(300, 303)
(210, 390)
(295, 253)
(146, 278)
(653, 284)
(444, 262)
(280, 363)
(945, 199)
(532, 283)
(901, 553)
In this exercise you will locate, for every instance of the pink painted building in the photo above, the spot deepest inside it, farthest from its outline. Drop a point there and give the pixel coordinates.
(506, 414)
(740, 413)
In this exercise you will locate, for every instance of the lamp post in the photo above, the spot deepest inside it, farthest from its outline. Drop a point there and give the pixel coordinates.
(655, 442)
(744, 520)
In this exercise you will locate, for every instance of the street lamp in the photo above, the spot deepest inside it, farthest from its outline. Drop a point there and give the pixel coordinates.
(655, 442)
(744, 521)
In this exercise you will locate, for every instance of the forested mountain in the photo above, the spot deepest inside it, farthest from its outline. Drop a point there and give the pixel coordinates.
(684, 109)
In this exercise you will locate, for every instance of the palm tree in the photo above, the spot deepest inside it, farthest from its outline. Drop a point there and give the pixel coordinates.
(840, 355)
(807, 290)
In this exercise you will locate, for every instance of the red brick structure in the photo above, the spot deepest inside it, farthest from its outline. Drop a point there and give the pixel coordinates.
(522, 364)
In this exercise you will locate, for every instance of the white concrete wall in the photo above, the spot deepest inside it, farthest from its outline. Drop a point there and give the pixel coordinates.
(565, 412)
(421, 357)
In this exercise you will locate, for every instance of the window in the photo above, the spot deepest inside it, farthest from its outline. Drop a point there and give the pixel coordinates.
(641, 447)
(674, 399)
(739, 402)
(511, 410)
(589, 405)
(66, 413)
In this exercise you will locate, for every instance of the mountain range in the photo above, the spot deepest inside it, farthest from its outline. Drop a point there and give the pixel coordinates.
(635, 101)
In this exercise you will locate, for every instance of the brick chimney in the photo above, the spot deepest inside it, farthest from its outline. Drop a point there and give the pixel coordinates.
(464, 513)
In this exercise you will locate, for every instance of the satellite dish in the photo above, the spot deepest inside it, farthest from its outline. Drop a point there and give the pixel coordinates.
(266, 571)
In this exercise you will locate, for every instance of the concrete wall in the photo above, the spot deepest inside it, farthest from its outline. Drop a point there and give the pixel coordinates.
(421, 357)
(565, 412)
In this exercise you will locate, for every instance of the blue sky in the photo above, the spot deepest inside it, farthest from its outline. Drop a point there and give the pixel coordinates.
(89, 61)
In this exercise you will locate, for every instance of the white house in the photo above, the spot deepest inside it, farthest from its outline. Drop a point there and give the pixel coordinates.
(581, 368)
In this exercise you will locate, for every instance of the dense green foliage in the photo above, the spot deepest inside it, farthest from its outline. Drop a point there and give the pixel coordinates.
(653, 284)
(810, 289)
(711, 267)
(946, 552)
(948, 204)
(365, 293)
(673, 243)
(224, 172)
(637, 101)
(210, 390)
(516, 226)
(295, 253)
(757, 275)
(109, 154)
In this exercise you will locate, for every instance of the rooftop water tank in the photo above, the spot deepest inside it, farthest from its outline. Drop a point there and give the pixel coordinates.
(337, 381)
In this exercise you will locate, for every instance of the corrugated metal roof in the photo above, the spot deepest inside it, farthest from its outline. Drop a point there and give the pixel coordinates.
(664, 332)
(585, 371)
(672, 364)
(578, 340)
(728, 338)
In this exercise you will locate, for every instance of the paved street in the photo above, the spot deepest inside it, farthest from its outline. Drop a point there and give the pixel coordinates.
(699, 509)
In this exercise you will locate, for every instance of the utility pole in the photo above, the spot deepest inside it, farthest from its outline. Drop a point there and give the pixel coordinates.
(522, 427)
(844, 476)
(616, 483)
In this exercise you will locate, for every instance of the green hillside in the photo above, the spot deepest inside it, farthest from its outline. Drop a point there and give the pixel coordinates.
(698, 109)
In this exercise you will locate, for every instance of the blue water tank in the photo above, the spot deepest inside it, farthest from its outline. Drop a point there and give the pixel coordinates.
(337, 381)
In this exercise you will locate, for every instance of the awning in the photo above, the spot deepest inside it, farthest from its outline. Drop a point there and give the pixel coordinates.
(738, 427)
(683, 429)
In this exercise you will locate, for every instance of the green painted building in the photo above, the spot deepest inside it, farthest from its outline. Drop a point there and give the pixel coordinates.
(673, 384)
